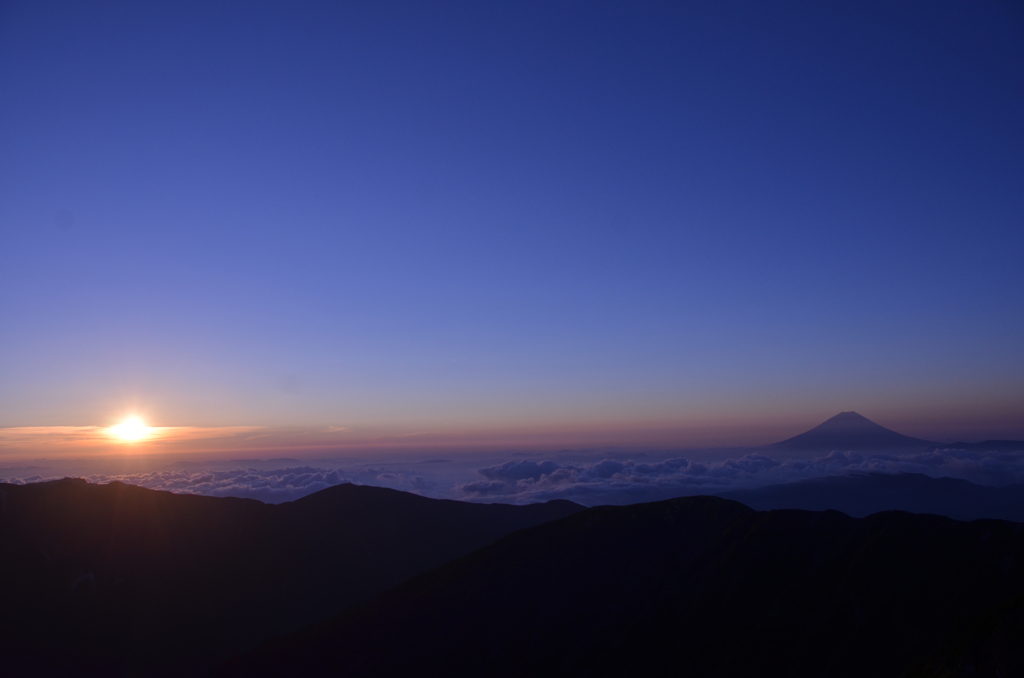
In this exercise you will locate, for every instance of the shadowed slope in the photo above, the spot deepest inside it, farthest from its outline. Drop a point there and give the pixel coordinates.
(850, 431)
(118, 580)
(695, 586)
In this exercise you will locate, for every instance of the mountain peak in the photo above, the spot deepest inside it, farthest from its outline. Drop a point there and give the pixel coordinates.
(849, 416)
(850, 431)
(848, 420)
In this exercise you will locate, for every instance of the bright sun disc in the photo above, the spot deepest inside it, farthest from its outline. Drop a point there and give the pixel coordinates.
(131, 429)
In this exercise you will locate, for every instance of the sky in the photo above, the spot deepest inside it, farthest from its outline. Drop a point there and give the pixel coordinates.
(271, 228)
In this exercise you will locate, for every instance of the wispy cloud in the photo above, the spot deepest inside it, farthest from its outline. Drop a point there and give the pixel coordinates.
(59, 437)
(89, 440)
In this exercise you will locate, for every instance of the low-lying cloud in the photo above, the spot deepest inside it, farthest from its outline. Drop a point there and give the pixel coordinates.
(523, 480)
(613, 481)
(271, 486)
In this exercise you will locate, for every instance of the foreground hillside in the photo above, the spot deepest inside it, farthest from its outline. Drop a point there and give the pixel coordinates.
(697, 587)
(120, 580)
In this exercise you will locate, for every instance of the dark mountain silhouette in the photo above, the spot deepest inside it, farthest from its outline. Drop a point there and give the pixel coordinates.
(697, 586)
(120, 580)
(859, 495)
(850, 431)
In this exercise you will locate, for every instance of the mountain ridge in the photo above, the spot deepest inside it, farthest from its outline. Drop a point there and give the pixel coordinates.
(116, 579)
(696, 586)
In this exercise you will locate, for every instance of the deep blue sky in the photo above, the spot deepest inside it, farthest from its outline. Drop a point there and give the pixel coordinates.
(427, 216)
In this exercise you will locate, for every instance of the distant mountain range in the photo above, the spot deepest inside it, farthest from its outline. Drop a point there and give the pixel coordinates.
(120, 580)
(860, 495)
(986, 446)
(697, 586)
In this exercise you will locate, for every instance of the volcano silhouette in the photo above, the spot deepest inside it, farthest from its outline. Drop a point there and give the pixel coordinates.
(851, 431)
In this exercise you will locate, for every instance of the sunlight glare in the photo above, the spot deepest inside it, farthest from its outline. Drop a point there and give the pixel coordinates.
(131, 429)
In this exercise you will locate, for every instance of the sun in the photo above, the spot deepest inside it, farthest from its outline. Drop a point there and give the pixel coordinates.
(131, 429)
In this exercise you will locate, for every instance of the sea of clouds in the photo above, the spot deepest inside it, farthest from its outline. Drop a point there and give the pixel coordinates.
(608, 481)
(270, 485)
(621, 482)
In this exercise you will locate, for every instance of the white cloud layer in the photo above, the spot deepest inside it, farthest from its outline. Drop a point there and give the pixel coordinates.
(609, 481)
(271, 486)
(622, 482)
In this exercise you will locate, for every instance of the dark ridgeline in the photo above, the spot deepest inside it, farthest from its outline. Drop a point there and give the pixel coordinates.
(120, 580)
(697, 586)
(860, 495)
(850, 431)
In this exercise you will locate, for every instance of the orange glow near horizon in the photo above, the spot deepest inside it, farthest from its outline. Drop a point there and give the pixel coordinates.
(131, 430)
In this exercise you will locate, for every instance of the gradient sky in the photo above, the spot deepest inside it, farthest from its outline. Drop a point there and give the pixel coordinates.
(704, 223)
